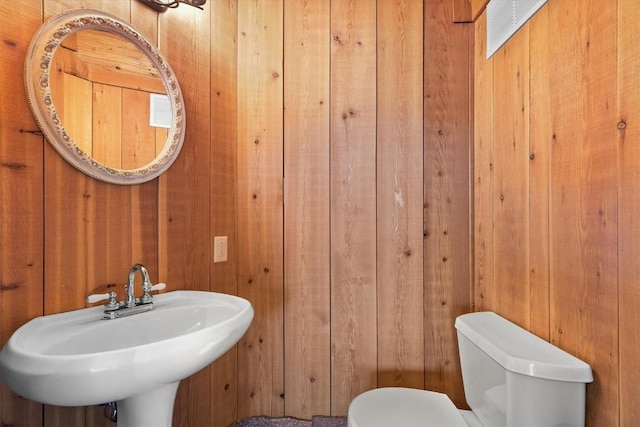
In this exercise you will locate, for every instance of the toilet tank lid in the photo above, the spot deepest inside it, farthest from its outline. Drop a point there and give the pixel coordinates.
(520, 351)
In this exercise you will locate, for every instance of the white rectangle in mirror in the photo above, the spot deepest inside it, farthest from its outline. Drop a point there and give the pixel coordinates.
(159, 110)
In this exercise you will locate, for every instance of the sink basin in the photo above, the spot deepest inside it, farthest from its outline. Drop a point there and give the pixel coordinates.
(78, 359)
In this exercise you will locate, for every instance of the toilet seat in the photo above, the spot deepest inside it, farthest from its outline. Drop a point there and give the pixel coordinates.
(404, 407)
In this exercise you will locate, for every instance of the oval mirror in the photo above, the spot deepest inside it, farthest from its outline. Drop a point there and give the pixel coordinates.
(104, 97)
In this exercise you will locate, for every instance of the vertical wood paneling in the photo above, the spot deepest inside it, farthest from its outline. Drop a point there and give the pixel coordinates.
(583, 205)
(462, 11)
(353, 201)
(260, 211)
(307, 200)
(79, 218)
(468, 10)
(348, 142)
(144, 228)
(70, 204)
(399, 194)
(570, 60)
(447, 269)
(21, 217)
(539, 151)
(224, 190)
(184, 190)
(483, 265)
(106, 214)
(64, 211)
(511, 177)
(629, 207)
(77, 117)
(136, 149)
(144, 198)
(107, 125)
(583, 240)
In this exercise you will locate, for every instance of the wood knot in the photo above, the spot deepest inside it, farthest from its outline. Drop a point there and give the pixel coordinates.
(13, 165)
(9, 287)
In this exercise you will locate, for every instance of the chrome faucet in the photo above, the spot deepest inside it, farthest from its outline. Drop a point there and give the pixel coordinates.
(114, 309)
(146, 286)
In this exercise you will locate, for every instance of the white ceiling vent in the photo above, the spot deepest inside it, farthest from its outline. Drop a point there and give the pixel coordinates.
(504, 17)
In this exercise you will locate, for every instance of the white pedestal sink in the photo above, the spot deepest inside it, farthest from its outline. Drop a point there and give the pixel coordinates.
(78, 359)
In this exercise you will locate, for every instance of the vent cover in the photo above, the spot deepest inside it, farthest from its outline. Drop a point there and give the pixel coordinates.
(504, 17)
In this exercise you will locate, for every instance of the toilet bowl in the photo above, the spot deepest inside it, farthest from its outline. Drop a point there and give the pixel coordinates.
(511, 378)
(404, 407)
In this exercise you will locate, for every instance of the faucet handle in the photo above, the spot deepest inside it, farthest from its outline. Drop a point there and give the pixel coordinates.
(97, 297)
(112, 304)
(158, 287)
(146, 297)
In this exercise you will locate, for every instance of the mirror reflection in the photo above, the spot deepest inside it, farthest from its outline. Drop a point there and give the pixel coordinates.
(103, 87)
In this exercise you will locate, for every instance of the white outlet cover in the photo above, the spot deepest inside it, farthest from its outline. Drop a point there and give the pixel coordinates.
(219, 249)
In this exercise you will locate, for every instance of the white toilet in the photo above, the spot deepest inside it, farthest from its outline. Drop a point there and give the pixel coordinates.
(511, 378)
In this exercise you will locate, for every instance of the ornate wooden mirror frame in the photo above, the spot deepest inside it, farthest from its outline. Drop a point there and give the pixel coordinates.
(38, 77)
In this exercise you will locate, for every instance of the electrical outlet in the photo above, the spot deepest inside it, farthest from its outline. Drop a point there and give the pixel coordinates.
(220, 248)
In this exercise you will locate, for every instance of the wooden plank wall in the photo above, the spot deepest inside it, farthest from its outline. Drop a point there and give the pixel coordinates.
(447, 243)
(224, 190)
(184, 191)
(21, 205)
(400, 255)
(353, 200)
(628, 117)
(260, 205)
(307, 207)
(83, 235)
(349, 281)
(329, 139)
(556, 184)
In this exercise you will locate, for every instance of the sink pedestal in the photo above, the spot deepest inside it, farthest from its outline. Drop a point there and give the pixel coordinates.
(153, 408)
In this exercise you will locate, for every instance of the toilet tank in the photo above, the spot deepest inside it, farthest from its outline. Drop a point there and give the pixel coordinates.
(514, 378)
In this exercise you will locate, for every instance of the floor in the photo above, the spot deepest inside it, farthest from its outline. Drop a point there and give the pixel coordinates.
(316, 421)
